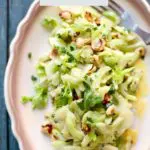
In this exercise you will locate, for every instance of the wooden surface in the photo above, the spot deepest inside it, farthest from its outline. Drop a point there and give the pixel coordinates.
(11, 12)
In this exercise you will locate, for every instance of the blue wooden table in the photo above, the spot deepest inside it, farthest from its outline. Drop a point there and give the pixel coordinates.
(11, 12)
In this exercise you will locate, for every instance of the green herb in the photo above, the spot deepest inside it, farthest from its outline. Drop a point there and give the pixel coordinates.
(81, 105)
(88, 30)
(90, 120)
(40, 70)
(63, 50)
(49, 23)
(72, 47)
(95, 28)
(65, 36)
(64, 98)
(59, 36)
(112, 90)
(33, 78)
(26, 99)
(92, 136)
(30, 55)
(112, 16)
(61, 101)
(71, 57)
(39, 101)
(90, 100)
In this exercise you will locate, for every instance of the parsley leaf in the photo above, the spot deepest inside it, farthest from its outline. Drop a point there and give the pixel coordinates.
(72, 47)
(26, 99)
(30, 55)
(89, 120)
(49, 23)
(33, 78)
(112, 90)
(64, 98)
(90, 100)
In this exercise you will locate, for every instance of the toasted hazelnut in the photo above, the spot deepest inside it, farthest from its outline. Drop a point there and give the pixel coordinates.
(47, 129)
(75, 95)
(93, 69)
(75, 35)
(87, 41)
(79, 42)
(141, 51)
(82, 41)
(86, 128)
(115, 35)
(97, 21)
(107, 98)
(54, 52)
(98, 45)
(67, 15)
(96, 60)
(111, 110)
(88, 16)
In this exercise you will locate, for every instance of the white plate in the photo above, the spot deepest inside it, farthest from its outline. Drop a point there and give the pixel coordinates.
(31, 37)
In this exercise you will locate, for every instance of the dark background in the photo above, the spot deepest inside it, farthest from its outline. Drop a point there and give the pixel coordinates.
(11, 12)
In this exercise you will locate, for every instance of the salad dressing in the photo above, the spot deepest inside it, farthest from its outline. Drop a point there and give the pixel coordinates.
(142, 91)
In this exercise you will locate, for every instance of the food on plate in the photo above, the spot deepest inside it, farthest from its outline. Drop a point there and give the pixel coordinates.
(92, 80)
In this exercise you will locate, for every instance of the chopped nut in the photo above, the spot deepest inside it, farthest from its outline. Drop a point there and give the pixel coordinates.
(96, 60)
(111, 110)
(115, 35)
(141, 51)
(86, 128)
(47, 129)
(93, 69)
(75, 35)
(75, 96)
(67, 15)
(79, 42)
(97, 21)
(106, 99)
(88, 16)
(87, 41)
(82, 41)
(54, 52)
(98, 45)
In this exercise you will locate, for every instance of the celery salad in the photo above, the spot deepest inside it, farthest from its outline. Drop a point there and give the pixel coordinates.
(91, 79)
